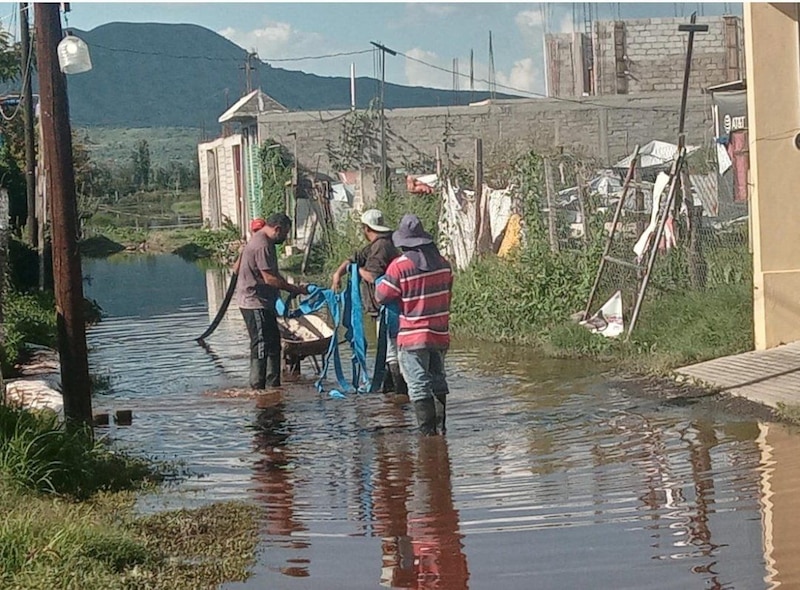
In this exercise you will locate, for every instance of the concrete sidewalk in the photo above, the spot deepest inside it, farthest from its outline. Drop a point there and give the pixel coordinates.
(764, 376)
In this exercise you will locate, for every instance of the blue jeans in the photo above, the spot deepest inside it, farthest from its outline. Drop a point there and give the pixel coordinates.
(391, 345)
(424, 373)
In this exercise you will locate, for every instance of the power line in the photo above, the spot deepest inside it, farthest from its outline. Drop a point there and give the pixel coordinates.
(539, 94)
(230, 59)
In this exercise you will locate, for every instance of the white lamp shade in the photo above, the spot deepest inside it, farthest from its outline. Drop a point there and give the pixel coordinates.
(73, 55)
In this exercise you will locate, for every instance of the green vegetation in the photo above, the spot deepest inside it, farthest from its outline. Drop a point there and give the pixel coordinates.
(789, 413)
(276, 176)
(29, 318)
(113, 145)
(529, 297)
(49, 539)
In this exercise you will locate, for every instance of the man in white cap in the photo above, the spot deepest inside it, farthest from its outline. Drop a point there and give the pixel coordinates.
(373, 260)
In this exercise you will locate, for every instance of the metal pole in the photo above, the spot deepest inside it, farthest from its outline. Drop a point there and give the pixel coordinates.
(673, 189)
(384, 51)
(617, 212)
(383, 121)
(691, 28)
(68, 280)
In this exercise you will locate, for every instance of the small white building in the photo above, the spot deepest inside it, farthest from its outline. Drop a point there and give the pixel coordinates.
(230, 175)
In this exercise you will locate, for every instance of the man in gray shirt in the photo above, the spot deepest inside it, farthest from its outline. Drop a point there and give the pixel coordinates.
(258, 288)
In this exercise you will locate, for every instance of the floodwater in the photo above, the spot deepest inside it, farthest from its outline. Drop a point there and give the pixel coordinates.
(550, 476)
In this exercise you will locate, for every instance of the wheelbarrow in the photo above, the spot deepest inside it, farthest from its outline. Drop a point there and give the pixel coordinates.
(307, 336)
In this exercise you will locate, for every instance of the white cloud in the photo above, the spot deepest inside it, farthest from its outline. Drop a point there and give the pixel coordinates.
(565, 25)
(528, 19)
(418, 74)
(277, 40)
(524, 75)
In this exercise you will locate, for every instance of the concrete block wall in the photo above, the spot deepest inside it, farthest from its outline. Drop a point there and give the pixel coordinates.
(656, 54)
(606, 128)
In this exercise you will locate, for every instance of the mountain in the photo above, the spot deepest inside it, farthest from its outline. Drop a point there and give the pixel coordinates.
(157, 75)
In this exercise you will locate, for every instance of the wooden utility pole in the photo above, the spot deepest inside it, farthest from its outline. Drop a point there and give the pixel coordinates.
(31, 227)
(552, 232)
(68, 280)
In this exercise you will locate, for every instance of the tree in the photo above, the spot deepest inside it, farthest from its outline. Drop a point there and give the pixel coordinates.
(141, 164)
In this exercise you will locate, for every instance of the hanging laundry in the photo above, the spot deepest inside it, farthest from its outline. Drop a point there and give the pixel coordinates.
(662, 181)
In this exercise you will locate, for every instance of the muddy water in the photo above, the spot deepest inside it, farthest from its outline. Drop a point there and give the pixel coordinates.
(549, 477)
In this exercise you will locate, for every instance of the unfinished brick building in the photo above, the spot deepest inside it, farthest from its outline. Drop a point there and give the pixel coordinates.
(641, 56)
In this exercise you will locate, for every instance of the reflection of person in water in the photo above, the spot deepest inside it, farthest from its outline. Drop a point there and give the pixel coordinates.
(421, 543)
(275, 487)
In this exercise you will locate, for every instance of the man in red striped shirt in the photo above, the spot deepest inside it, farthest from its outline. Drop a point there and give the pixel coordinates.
(420, 282)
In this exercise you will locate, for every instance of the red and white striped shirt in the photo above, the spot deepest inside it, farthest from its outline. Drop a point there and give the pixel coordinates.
(424, 300)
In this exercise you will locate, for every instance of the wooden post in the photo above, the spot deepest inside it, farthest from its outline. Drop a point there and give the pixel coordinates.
(694, 216)
(641, 215)
(68, 280)
(551, 211)
(31, 228)
(4, 221)
(478, 192)
(582, 204)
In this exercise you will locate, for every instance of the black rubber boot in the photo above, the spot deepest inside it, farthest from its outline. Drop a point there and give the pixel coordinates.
(388, 380)
(426, 416)
(258, 372)
(440, 401)
(400, 387)
(273, 371)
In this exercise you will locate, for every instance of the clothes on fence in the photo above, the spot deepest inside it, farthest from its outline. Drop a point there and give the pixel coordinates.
(458, 232)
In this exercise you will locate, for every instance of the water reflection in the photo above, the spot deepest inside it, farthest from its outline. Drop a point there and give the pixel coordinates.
(549, 477)
(274, 489)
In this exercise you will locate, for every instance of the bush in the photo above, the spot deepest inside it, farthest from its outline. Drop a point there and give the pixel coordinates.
(28, 318)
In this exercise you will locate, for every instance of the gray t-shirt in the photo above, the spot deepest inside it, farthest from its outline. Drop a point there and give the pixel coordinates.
(251, 290)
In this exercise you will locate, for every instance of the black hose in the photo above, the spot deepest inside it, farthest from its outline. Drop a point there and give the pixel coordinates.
(222, 309)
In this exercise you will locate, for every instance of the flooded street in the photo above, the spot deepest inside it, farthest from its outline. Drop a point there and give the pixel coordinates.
(549, 477)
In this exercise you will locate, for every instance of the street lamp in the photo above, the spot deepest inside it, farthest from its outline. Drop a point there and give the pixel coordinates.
(73, 55)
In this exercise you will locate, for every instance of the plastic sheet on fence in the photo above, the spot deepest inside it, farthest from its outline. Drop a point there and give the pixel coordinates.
(608, 319)
(457, 220)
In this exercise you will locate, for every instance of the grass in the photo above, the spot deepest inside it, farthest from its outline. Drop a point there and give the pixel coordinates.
(69, 520)
(101, 544)
(674, 330)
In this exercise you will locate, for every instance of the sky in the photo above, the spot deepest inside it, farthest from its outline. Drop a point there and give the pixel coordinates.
(427, 35)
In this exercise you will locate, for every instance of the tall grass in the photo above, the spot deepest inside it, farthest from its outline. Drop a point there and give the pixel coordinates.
(38, 454)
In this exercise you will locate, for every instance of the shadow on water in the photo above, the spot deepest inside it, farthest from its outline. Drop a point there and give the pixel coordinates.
(550, 476)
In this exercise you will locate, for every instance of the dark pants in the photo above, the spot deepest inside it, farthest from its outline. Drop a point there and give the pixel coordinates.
(265, 347)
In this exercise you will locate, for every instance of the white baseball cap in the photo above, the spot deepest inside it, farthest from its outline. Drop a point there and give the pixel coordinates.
(373, 219)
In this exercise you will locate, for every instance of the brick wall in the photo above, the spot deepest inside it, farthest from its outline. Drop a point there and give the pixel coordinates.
(607, 128)
(653, 55)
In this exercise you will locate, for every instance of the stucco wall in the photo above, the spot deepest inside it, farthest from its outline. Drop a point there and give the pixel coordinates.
(607, 128)
(226, 178)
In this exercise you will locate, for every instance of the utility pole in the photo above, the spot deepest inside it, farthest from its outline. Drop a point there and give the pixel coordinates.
(384, 51)
(68, 280)
(31, 227)
(248, 69)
